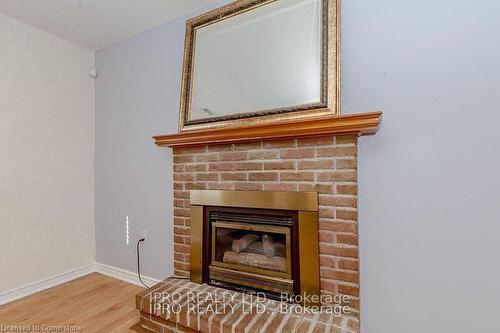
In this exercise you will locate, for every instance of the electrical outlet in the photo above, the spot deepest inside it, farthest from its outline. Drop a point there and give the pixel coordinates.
(143, 234)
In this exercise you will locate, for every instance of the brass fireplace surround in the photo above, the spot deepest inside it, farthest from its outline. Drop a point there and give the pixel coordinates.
(304, 203)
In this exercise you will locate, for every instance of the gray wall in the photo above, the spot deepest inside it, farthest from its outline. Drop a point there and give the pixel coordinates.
(137, 96)
(430, 179)
(429, 183)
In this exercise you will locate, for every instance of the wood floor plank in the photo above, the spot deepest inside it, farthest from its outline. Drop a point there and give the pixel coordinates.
(95, 302)
(44, 297)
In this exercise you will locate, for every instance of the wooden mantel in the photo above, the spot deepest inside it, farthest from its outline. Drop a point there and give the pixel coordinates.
(352, 124)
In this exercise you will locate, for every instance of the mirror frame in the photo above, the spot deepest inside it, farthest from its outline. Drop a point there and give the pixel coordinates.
(330, 72)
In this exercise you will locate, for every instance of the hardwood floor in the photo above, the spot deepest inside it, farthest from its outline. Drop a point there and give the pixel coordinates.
(94, 302)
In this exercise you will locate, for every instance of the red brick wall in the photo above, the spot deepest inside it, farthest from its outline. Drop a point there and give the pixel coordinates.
(326, 165)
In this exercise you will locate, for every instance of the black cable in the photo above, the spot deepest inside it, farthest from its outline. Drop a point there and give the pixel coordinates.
(139, 266)
(139, 262)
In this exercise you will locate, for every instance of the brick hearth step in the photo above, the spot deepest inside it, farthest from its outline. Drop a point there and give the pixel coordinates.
(178, 305)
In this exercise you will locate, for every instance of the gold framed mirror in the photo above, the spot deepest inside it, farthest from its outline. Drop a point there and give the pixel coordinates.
(254, 62)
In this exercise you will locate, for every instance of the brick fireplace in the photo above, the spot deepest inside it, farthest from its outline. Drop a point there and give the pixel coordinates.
(326, 165)
(312, 157)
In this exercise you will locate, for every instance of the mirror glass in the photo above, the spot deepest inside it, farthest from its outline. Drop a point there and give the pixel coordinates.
(262, 59)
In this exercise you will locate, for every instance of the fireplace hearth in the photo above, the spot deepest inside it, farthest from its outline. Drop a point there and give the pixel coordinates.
(255, 241)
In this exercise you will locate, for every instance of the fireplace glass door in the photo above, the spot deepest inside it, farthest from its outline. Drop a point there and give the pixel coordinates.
(252, 250)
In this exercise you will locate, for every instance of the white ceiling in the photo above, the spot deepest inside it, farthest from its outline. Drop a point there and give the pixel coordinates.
(96, 24)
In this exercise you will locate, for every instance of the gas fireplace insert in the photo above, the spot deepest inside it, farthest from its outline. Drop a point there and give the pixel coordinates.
(255, 241)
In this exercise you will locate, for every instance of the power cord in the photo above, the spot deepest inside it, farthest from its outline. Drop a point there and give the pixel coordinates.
(139, 262)
(139, 265)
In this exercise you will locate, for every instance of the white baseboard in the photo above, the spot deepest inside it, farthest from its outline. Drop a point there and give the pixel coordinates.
(20, 292)
(124, 275)
(114, 272)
